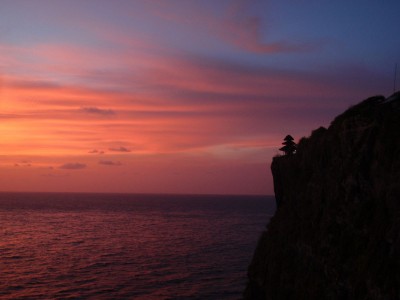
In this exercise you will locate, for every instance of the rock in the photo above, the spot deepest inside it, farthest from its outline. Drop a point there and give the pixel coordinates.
(336, 232)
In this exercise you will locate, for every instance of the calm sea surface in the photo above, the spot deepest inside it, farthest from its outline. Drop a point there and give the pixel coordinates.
(113, 246)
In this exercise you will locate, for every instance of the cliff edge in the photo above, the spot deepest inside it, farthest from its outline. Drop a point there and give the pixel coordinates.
(336, 232)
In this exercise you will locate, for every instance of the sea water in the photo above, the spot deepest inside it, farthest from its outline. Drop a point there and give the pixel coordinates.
(117, 246)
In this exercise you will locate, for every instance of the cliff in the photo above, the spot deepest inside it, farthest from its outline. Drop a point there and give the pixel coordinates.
(336, 232)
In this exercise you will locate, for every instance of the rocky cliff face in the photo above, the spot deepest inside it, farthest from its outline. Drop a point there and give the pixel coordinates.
(336, 232)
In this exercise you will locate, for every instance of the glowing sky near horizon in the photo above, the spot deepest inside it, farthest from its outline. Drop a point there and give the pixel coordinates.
(157, 96)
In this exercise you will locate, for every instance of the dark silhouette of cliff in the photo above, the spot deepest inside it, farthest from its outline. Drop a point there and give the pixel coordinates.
(336, 232)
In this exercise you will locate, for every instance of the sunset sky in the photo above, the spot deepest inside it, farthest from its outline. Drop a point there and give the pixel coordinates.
(164, 96)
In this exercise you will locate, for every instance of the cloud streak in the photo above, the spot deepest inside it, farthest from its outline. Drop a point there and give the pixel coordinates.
(95, 151)
(73, 166)
(243, 29)
(109, 163)
(98, 111)
(237, 23)
(119, 149)
(189, 103)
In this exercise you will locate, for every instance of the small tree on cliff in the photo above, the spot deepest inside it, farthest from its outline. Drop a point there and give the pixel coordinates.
(289, 147)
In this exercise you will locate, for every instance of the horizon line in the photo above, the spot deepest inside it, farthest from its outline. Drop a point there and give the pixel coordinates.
(137, 193)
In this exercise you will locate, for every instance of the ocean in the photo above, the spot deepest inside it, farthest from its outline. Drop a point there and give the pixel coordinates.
(123, 246)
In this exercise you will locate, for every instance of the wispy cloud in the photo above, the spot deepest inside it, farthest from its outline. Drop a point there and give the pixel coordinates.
(23, 163)
(179, 103)
(244, 29)
(120, 149)
(110, 163)
(73, 166)
(98, 111)
(237, 23)
(95, 151)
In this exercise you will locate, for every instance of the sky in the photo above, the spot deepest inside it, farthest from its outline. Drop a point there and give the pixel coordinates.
(178, 96)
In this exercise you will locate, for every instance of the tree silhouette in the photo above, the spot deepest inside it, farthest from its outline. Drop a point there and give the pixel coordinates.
(289, 147)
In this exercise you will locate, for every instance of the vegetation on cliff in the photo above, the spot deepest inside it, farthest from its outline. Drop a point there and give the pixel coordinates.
(336, 232)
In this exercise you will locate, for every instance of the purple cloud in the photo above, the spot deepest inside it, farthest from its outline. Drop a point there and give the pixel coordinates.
(98, 111)
(110, 163)
(72, 166)
(23, 163)
(95, 151)
(120, 149)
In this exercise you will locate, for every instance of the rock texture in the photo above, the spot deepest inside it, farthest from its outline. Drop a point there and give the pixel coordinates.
(336, 232)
